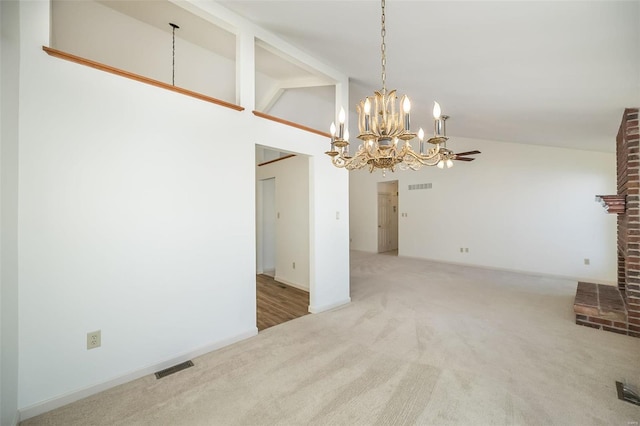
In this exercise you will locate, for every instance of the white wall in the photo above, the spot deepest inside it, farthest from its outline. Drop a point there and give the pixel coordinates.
(310, 106)
(9, 69)
(292, 218)
(125, 225)
(329, 236)
(518, 207)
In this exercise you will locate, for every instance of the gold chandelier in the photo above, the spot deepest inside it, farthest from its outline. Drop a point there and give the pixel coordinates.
(386, 132)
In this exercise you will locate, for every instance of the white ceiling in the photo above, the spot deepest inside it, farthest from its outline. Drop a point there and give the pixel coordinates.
(554, 73)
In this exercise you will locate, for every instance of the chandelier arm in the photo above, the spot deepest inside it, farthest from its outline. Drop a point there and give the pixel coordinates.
(352, 163)
(406, 166)
(425, 160)
(338, 161)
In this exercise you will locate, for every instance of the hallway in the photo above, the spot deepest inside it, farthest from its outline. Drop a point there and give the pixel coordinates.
(278, 303)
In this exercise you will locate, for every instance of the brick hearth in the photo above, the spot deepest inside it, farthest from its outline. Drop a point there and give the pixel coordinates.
(600, 306)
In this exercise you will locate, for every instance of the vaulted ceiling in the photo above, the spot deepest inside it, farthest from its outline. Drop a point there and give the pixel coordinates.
(553, 73)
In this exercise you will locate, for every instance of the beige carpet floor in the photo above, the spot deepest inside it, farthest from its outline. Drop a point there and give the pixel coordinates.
(421, 343)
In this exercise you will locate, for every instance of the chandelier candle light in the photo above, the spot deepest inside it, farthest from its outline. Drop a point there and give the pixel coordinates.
(385, 129)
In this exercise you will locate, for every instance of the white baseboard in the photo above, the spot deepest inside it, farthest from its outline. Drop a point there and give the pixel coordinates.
(517, 271)
(322, 308)
(314, 309)
(57, 402)
(268, 272)
(298, 286)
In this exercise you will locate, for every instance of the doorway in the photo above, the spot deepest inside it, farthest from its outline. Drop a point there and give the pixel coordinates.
(388, 217)
(282, 236)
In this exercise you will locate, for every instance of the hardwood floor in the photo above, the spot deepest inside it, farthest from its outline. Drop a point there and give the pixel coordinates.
(278, 303)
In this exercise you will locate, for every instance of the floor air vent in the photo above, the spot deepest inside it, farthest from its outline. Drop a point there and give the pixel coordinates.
(178, 367)
(626, 393)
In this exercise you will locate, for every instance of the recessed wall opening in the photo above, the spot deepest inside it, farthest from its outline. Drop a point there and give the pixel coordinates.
(136, 36)
(283, 84)
(282, 236)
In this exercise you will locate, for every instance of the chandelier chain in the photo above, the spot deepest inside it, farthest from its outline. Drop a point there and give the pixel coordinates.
(383, 48)
(173, 59)
(173, 53)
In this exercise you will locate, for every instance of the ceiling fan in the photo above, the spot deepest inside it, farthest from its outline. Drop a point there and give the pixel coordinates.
(462, 156)
(447, 155)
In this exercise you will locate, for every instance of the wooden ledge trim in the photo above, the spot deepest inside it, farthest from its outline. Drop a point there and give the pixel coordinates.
(277, 159)
(102, 67)
(290, 123)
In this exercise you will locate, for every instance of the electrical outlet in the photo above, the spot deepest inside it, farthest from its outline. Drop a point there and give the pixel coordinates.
(466, 249)
(94, 339)
(294, 265)
(587, 262)
(461, 250)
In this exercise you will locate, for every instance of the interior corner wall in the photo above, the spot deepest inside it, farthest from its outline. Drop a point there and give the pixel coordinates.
(9, 78)
(517, 207)
(292, 218)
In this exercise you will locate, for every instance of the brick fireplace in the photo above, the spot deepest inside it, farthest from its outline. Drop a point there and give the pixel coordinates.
(607, 307)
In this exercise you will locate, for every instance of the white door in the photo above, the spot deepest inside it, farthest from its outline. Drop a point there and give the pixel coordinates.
(393, 227)
(385, 213)
(269, 226)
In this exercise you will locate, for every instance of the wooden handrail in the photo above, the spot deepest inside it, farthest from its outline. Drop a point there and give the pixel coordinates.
(277, 159)
(102, 67)
(290, 123)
